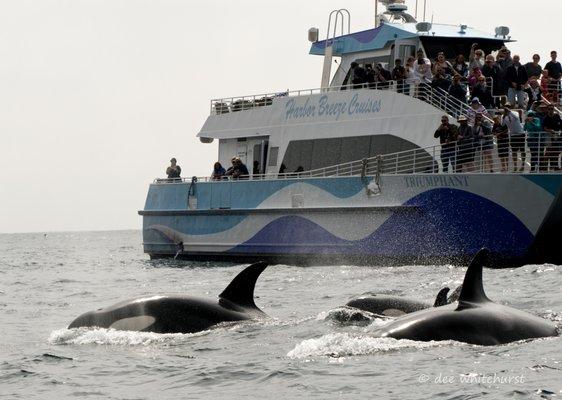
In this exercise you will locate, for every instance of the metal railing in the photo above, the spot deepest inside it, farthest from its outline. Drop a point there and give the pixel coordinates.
(531, 153)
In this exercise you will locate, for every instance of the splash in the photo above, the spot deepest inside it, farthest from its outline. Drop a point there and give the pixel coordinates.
(101, 336)
(345, 344)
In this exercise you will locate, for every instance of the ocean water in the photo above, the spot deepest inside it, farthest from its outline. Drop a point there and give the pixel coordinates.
(305, 350)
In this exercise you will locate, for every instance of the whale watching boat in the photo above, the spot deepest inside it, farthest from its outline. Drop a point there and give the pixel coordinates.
(352, 173)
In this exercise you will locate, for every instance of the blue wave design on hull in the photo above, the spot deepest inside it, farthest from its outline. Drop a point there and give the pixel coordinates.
(448, 222)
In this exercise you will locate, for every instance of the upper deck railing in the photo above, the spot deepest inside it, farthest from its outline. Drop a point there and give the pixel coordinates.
(484, 155)
(423, 91)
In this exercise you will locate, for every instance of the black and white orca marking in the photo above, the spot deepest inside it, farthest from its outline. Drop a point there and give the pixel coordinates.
(181, 314)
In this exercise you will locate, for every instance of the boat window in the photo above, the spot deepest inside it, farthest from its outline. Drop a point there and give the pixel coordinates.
(273, 154)
(320, 153)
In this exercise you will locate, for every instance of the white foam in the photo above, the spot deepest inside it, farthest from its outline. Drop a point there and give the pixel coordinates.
(85, 336)
(345, 344)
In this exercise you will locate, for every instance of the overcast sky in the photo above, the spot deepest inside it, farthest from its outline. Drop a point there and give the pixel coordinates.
(96, 96)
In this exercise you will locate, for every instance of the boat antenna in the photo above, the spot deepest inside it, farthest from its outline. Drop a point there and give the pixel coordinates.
(416, 9)
(424, 6)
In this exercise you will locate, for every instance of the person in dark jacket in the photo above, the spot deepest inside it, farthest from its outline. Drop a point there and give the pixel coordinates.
(465, 146)
(174, 170)
(516, 76)
(481, 91)
(399, 75)
(458, 90)
(447, 134)
(218, 172)
(491, 71)
(238, 169)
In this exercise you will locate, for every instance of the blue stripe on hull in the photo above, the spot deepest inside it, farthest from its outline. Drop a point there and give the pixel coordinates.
(450, 222)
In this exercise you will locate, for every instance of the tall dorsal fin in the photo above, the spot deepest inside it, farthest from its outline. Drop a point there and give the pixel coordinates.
(241, 290)
(472, 287)
(441, 298)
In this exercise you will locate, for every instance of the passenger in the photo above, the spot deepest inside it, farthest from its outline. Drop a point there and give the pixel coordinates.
(382, 76)
(534, 93)
(412, 81)
(447, 134)
(370, 76)
(457, 90)
(218, 172)
(503, 61)
(555, 73)
(483, 141)
(399, 75)
(499, 130)
(475, 108)
(256, 168)
(533, 68)
(475, 73)
(546, 86)
(516, 135)
(482, 92)
(465, 146)
(492, 71)
(552, 124)
(533, 129)
(238, 169)
(174, 170)
(459, 66)
(422, 71)
(476, 58)
(440, 80)
(517, 77)
(444, 65)
(357, 75)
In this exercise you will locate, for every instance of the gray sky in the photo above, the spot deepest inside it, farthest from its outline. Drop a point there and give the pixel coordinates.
(96, 96)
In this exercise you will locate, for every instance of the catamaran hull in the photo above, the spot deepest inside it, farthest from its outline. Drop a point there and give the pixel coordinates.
(413, 218)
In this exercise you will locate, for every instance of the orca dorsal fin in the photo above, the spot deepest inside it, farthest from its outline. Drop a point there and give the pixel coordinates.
(441, 298)
(241, 290)
(472, 288)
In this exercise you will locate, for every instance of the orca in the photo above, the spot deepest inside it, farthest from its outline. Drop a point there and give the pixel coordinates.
(181, 314)
(394, 306)
(474, 319)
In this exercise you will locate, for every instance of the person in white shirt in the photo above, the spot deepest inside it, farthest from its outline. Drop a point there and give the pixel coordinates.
(516, 136)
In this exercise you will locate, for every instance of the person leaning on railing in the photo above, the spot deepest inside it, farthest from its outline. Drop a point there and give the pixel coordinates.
(465, 146)
(552, 124)
(174, 170)
(447, 134)
(218, 172)
(533, 130)
(484, 142)
(516, 135)
(499, 130)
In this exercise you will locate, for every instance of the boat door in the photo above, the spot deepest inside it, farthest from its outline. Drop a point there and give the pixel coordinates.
(257, 155)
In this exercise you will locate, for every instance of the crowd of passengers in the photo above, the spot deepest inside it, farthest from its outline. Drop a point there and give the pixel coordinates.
(488, 77)
(538, 132)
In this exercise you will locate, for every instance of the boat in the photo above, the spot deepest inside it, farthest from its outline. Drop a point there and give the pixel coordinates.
(352, 173)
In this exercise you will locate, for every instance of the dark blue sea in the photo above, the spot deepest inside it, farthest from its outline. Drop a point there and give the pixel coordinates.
(303, 351)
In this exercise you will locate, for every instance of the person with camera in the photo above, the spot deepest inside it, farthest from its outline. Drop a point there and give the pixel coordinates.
(174, 170)
(516, 76)
(447, 134)
(399, 75)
